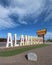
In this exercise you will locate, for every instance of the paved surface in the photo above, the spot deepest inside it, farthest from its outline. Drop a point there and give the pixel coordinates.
(44, 57)
(2, 44)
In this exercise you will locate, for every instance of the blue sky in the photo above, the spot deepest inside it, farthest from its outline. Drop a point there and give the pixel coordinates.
(25, 17)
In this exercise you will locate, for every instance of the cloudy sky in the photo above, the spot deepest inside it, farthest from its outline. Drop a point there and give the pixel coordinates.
(25, 17)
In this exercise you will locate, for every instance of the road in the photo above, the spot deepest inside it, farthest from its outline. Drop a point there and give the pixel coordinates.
(44, 57)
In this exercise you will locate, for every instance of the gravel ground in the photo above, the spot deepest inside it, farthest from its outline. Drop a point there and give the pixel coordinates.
(44, 55)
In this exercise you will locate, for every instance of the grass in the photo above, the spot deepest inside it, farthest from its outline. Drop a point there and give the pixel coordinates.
(19, 50)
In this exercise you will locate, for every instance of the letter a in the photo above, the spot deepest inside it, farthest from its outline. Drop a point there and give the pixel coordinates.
(9, 40)
(15, 40)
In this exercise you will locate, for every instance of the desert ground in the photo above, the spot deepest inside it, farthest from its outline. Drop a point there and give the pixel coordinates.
(44, 57)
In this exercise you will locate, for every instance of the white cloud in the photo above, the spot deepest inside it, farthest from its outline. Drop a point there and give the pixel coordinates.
(48, 17)
(21, 8)
(49, 11)
(3, 12)
(23, 22)
(25, 7)
(5, 21)
(48, 35)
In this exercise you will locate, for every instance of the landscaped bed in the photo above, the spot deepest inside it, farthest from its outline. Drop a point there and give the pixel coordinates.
(14, 51)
